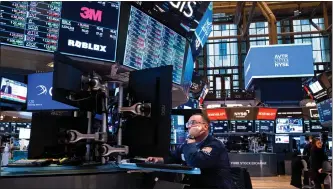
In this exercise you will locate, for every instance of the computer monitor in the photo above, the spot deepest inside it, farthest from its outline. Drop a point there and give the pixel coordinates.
(264, 126)
(241, 126)
(219, 127)
(13, 90)
(68, 87)
(150, 136)
(24, 133)
(48, 136)
(178, 135)
(281, 139)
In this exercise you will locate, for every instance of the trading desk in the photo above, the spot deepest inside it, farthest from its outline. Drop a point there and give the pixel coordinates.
(109, 176)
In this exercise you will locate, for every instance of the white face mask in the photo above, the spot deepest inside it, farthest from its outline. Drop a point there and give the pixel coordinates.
(196, 131)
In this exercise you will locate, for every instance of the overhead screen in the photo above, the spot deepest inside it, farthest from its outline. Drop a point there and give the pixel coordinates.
(40, 93)
(150, 44)
(289, 125)
(13, 90)
(325, 111)
(86, 29)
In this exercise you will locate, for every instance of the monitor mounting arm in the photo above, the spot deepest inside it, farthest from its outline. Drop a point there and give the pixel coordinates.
(141, 109)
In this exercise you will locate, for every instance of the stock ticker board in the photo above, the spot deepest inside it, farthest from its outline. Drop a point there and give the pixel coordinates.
(33, 25)
(150, 44)
(84, 29)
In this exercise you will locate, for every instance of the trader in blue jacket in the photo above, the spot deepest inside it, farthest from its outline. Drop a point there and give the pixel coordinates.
(202, 151)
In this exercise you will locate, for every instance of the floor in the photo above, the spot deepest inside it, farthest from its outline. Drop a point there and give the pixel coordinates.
(279, 182)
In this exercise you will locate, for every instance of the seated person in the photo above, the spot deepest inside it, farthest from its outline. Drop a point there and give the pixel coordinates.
(203, 151)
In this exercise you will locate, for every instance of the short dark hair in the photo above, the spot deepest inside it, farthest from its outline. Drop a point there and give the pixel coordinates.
(204, 116)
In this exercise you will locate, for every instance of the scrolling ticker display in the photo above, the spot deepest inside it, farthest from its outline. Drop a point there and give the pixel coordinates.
(150, 44)
(87, 29)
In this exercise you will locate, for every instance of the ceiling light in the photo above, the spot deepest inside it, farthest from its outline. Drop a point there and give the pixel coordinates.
(50, 64)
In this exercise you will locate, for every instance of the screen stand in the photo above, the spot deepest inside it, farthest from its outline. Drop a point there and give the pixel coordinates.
(89, 116)
(120, 105)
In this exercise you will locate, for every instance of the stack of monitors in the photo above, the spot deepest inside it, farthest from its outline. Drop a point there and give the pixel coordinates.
(219, 127)
(289, 125)
(13, 90)
(264, 126)
(312, 126)
(241, 126)
(178, 134)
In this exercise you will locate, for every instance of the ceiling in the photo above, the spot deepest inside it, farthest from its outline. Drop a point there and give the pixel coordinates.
(281, 9)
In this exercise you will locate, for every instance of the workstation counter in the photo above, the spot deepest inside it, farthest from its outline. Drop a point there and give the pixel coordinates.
(110, 176)
(257, 164)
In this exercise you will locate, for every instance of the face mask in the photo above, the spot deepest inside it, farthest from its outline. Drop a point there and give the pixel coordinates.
(195, 131)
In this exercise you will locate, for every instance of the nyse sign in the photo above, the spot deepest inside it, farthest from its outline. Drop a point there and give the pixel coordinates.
(181, 5)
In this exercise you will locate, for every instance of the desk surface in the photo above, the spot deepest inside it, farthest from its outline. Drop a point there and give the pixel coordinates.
(56, 170)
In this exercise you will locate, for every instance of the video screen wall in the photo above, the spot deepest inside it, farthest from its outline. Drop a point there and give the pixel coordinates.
(150, 44)
(264, 126)
(13, 90)
(219, 127)
(312, 126)
(289, 125)
(86, 29)
(241, 126)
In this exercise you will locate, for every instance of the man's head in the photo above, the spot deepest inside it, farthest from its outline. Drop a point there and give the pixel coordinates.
(198, 125)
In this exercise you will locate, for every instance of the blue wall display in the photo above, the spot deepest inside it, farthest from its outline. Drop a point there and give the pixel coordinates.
(278, 61)
(40, 93)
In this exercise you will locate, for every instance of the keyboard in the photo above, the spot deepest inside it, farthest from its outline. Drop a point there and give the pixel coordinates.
(30, 163)
(164, 166)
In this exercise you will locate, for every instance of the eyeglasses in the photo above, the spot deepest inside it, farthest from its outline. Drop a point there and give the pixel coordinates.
(193, 122)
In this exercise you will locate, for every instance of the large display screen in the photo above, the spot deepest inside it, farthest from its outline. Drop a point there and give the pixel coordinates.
(312, 126)
(241, 126)
(289, 125)
(178, 135)
(264, 126)
(5, 127)
(13, 90)
(150, 44)
(87, 29)
(40, 93)
(284, 139)
(219, 127)
(325, 110)
(30, 24)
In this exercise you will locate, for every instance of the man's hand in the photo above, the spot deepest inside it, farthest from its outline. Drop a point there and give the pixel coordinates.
(190, 141)
(155, 159)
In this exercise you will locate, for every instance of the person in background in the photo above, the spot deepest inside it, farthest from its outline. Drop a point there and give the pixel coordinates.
(307, 148)
(203, 151)
(6, 88)
(318, 157)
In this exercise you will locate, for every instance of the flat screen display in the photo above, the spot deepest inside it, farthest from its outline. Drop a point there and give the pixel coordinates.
(312, 126)
(24, 133)
(281, 139)
(85, 29)
(89, 29)
(325, 110)
(264, 126)
(289, 125)
(13, 90)
(178, 135)
(150, 44)
(30, 24)
(241, 126)
(219, 127)
(40, 93)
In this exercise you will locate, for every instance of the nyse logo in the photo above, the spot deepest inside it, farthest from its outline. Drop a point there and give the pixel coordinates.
(180, 6)
(241, 114)
(43, 90)
(91, 14)
(84, 45)
(281, 60)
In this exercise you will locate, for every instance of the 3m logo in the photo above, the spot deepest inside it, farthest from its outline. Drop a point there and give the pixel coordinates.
(91, 14)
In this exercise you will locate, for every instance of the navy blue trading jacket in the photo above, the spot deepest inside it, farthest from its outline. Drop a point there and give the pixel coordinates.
(211, 157)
